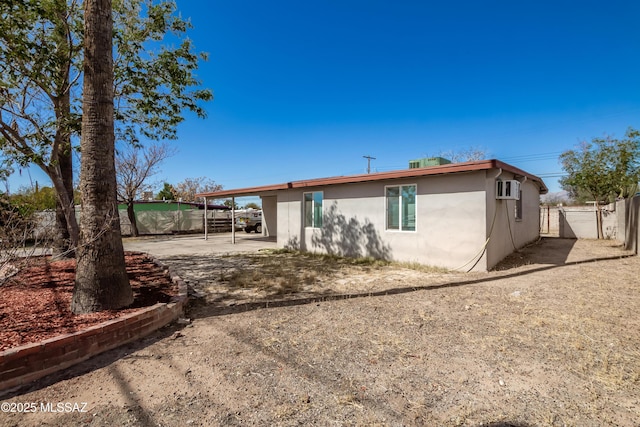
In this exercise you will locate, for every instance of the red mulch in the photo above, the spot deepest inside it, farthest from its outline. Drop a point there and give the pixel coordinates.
(35, 303)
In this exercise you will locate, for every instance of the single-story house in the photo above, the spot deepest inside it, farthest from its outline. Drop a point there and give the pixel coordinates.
(465, 216)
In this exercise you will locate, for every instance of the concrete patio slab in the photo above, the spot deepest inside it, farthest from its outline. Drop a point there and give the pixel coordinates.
(218, 243)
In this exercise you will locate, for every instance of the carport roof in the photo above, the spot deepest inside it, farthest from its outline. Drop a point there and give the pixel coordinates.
(379, 176)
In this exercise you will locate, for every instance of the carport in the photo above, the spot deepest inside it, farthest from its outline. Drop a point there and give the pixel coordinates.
(269, 203)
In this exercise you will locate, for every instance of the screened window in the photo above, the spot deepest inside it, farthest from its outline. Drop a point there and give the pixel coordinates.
(313, 209)
(519, 207)
(401, 207)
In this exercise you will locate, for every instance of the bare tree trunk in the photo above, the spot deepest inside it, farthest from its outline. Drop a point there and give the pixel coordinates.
(599, 220)
(66, 236)
(64, 244)
(61, 247)
(101, 277)
(66, 205)
(131, 213)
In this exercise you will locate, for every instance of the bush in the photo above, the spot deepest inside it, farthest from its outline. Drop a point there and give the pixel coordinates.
(16, 231)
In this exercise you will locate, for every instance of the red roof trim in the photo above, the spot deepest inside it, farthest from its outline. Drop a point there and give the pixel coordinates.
(404, 173)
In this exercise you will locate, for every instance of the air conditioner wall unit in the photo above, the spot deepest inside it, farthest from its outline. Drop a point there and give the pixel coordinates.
(508, 189)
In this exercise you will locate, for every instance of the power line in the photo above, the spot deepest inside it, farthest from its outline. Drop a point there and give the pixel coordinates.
(551, 175)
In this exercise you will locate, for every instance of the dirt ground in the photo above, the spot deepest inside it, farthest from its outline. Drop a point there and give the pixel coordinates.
(548, 339)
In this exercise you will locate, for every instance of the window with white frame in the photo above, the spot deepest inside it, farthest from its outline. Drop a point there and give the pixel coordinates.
(401, 207)
(313, 209)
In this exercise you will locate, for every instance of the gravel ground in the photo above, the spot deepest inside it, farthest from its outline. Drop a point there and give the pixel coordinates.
(548, 339)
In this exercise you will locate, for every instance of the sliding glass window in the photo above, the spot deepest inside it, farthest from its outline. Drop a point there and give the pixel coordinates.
(313, 209)
(401, 207)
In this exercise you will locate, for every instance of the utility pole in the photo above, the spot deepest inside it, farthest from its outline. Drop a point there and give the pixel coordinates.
(369, 158)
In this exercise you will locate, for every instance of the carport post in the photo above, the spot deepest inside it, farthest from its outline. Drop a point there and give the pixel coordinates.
(206, 236)
(233, 220)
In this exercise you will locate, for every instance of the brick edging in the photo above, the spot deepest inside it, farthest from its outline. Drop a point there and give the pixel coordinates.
(22, 365)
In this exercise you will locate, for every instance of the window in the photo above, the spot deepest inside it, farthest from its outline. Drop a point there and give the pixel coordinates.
(313, 209)
(401, 207)
(519, 207)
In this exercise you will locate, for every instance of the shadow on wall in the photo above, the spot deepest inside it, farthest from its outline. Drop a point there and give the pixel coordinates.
(349, 237)
(608, 229)
(293, 244)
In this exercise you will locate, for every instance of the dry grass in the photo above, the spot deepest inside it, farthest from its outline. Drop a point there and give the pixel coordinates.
(284, 272)
(504, 330)
(550, 339)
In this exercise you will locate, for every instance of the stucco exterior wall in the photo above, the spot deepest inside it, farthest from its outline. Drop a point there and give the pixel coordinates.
(528, 228)
(621, 216)
(269, 216)
(581, 222)
(632, 228)
(450, 221)
(510, 233)
(289, 219)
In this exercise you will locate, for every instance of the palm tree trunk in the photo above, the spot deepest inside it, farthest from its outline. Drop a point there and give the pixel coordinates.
(101, 277)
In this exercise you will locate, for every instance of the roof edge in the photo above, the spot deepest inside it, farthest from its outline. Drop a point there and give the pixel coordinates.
(471, 166)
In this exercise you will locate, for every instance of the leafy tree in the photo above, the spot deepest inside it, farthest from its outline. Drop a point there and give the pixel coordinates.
(252, 205)
(39, 59)
(5, 171)
(41, 73)
(154, 86)
(38, 199)
(13, 216)
(134, 166)
(167, 192)
(231, 204)
(186, 190)
(604, 168)
(101, 277)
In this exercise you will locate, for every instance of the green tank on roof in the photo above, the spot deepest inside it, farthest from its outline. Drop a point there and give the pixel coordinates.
(428, 161)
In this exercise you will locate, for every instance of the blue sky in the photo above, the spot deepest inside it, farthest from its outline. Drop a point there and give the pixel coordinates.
(305, 89)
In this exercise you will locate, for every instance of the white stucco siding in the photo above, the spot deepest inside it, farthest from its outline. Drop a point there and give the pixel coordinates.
(352, 219)
(353, 222)
(451, 229)
(452, 232)
(508, 232)
(528, 228)
(450, 221)
(289, 219)
(269, 215)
